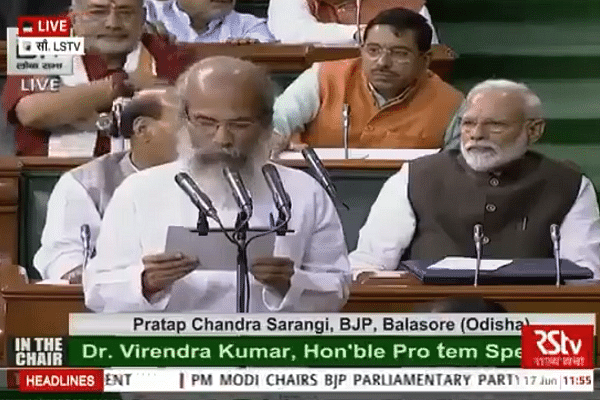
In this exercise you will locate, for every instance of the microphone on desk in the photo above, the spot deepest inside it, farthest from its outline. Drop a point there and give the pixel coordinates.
(321, 174)
(555, 236)
(239, 191)
(86, 240)
(280, 197)
(360, 39)
(346, 123)
(197, 196)
(477, 238)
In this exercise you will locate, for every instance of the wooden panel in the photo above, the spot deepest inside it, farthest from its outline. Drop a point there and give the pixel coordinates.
(9, 209)
(65, 164)
(282, 57)
(37, 310)
(3, 57)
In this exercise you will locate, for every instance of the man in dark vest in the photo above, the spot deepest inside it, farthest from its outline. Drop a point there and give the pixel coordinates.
(82, 194)
(429, 208)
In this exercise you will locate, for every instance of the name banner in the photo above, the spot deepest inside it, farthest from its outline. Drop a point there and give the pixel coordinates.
(374, 324)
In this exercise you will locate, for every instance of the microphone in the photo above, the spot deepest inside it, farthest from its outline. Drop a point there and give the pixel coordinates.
(346, 122)
(360, 39)
(280, 196)
(555, 236)
(320, 173)
(477, 237)
(239, 191)
(197, 196)
(86, 240)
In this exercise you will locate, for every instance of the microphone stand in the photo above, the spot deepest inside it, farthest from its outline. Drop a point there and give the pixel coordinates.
(202, 224)
(346, 122)
(239, 236)
(555, 236)
(477, 236)
(85, 238)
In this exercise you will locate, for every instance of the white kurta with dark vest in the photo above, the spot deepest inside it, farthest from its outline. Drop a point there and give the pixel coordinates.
(79, 197)
(429, 208)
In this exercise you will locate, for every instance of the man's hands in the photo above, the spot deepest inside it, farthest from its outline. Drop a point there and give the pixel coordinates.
(242, 41)
(162, 270)
(74, 276)
(281, 143)
(275, 272)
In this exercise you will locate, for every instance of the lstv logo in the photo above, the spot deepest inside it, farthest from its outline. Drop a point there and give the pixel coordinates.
(557, 346)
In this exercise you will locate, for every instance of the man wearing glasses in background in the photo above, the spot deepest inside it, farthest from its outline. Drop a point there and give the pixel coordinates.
(395, 101)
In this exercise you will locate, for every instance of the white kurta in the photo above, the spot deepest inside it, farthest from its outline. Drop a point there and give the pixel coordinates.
(292, 22)
(70, 206)
(146, 204)
(391, 224)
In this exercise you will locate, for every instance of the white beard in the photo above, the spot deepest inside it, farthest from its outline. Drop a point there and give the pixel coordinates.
(210, 179)
(494, 156)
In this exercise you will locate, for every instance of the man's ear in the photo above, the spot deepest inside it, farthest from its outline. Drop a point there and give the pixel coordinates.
(535, 129)
(427, 56)
(142, 129)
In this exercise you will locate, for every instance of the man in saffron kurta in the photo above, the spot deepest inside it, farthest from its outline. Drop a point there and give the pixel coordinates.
(395, 100)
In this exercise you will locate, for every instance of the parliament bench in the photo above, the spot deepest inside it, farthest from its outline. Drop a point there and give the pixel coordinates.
(26, 184)
(43, 310)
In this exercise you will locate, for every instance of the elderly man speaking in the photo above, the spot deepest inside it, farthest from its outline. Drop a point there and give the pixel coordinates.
(228, 106)
(428, 209)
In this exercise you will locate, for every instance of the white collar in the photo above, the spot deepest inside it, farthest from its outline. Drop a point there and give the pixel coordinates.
(80, 74)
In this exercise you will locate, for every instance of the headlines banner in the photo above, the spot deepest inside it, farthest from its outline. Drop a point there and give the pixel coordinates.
(266, 380)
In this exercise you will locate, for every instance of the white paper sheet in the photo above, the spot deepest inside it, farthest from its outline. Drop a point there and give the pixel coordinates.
(53, 282)
(367, 154)
(466, 263)
(214, 251)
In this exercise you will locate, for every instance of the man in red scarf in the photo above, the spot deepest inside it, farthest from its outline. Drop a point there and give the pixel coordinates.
(119, 59)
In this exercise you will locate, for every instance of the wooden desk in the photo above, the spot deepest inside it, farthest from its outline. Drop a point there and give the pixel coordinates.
(277, 57)
(37, 310)
(3, 60)
(284, 58)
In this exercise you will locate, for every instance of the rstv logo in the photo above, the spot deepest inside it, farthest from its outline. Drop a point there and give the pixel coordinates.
(557, 346)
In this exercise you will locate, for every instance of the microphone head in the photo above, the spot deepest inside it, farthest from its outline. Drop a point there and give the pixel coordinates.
(554, 232)
(273, 179)
(85, 233)
(200, 200)
(477, 232)
(239, 191)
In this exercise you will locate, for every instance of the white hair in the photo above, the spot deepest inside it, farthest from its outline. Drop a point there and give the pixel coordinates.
(533, 104)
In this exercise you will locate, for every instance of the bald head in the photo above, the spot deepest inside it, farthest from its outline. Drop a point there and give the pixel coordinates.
(152, 103)
(151, 121)
(230, 80)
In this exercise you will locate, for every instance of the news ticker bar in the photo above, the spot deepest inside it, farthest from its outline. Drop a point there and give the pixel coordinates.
(306, 380)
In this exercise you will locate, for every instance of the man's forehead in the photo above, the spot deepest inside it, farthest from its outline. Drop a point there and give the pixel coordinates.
(386, 34)
(495, 101)
(116, 3)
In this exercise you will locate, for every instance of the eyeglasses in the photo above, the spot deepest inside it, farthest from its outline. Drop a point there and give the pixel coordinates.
(211, 126)
(399, 55)
(492, 126)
